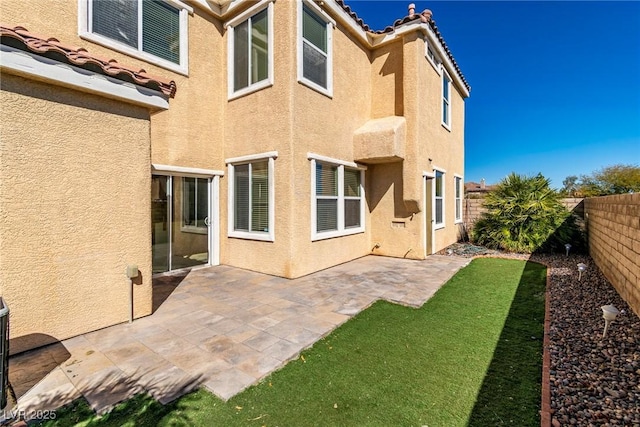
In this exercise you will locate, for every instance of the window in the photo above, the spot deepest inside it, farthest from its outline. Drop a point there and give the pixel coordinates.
(446, 100)
(439, 199)
(251, 197)
(251, 52)
(154, 30)
(314, 49)
(337, 200)
(432, 57)
(195, 211)
(458, 189)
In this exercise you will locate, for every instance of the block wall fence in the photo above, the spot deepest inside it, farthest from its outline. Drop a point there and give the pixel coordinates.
(613, 230)
(473, 209)
(613, 226)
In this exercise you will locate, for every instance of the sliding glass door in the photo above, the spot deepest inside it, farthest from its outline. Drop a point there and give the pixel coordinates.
(180, 209)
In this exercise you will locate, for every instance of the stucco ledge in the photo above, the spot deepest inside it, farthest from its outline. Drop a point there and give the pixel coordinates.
(380, 140)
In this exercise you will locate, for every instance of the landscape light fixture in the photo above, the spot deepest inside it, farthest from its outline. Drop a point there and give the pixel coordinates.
(567, 247)
(131, 273)
(609, 313)
(581, 268)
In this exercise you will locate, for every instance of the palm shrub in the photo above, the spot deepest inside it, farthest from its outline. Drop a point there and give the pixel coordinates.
(524, 214)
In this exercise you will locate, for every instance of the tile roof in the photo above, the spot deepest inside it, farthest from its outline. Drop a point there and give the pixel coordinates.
(425, 16)
(475, 187)
(21, 38)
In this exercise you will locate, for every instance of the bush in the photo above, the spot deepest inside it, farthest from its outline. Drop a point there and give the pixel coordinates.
(523, 214)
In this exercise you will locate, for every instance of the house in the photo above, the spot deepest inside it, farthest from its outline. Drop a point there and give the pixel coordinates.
(283, 137)
(477, 189)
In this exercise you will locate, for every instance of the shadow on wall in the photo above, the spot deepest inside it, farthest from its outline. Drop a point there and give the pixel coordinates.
(393, 67)
(387, 176)
(510, 392)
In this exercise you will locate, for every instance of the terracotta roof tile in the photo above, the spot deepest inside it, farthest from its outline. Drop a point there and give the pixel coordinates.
(424, 17)
(21, 38)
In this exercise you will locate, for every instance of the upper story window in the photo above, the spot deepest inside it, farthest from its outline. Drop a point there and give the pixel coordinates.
(338, 199)
(457, 180)
(446, 100)
(251, 50)
(251, 197)
(153, 30)
(438, 195)
(315, 48)
(432, 57)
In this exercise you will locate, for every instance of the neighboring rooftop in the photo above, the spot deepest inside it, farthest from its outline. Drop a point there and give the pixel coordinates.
(478, 187)
(20, 38)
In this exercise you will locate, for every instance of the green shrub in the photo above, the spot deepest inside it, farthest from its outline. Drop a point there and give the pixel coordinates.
(524, 214)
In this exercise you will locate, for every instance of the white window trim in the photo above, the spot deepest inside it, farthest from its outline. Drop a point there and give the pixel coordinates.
(449, 109)
(328, 91)
(436, 225)
(341, 231)
(84, 25)
(456, 199)
(435, 64)
(251, 235)
(243, 17)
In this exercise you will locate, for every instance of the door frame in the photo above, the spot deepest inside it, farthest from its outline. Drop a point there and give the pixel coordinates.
(213, 192)
(428, 227)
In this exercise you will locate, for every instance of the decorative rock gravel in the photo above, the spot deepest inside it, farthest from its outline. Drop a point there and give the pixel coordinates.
(594, 381)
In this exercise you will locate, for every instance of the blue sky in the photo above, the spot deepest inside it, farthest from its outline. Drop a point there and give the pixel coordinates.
(555, 85)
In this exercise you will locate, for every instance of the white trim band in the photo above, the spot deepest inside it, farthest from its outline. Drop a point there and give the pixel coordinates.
(318, 157)
(27, 64)
(185, 171)
(251, 157)
(239, 19)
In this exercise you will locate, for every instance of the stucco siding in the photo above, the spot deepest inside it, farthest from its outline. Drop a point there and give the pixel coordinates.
(439, 147)
(92, 186)
(325, 126)
(74, 211)
(387, 90)
(191, 132)
(261, 122)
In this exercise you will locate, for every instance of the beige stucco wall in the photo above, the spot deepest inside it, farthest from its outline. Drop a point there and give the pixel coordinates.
(613, 226)
(189, 133)
(325, 126)
(202, 128)
(74, 210)
(444, 147)
(258, 123)
(401, 209)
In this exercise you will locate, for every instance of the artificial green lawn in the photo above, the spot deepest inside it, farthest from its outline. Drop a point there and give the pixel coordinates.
(471, 355)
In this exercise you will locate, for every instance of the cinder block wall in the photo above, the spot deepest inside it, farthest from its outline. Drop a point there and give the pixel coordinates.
(473, 209)
(613, 224)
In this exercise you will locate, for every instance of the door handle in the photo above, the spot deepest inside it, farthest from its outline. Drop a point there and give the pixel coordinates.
(206, 221)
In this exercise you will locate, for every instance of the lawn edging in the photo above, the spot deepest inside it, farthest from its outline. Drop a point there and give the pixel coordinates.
(545, 410)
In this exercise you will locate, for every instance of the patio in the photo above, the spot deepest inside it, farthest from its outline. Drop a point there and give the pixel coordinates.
(221, 328)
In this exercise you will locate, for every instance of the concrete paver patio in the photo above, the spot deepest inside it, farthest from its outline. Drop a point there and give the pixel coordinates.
(222, 328)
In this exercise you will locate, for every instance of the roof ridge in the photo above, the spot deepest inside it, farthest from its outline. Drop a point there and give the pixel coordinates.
(79, 56)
